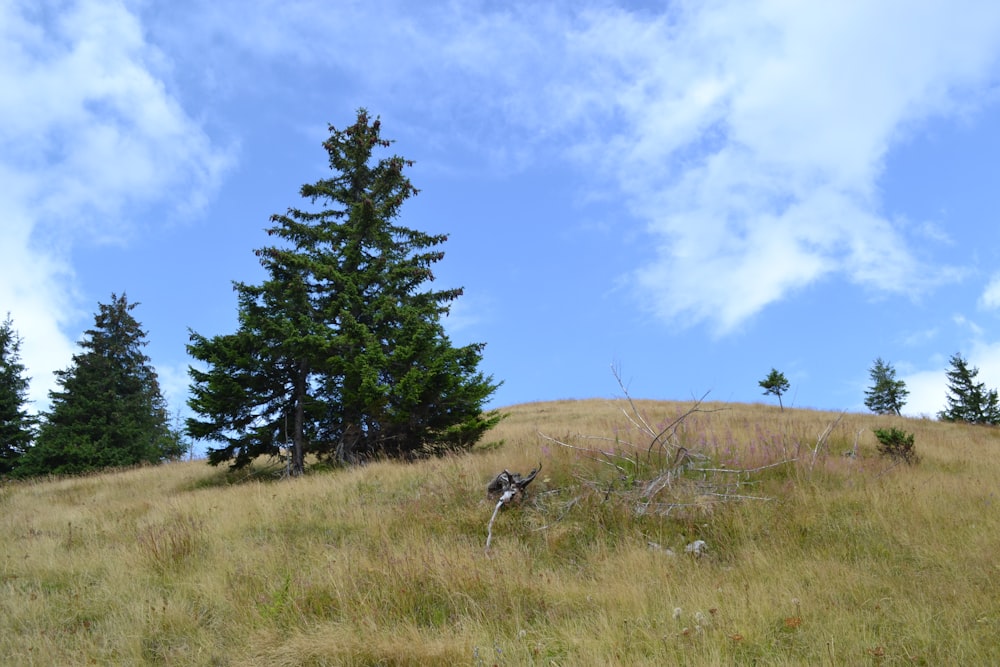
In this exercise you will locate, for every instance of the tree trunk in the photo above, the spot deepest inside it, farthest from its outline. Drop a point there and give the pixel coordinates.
(298, 462)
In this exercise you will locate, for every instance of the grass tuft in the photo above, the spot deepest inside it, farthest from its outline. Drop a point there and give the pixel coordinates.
(173, 542)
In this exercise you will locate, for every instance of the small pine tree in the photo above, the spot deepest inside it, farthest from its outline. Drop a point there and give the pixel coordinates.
(17, 427)
(897, 444)
(887, 395)
(967, 400)
(775, 383)
(109, 411)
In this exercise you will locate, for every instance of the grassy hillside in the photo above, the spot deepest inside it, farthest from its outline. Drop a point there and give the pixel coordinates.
(811, 558)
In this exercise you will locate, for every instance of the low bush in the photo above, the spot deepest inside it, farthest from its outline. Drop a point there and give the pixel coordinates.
(896, 444)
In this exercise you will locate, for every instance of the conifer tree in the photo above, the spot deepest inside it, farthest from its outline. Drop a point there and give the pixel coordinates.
(967, 400)
(109, 410)
(17, 427)
(775, 383)
(340, 352)
(887, 395)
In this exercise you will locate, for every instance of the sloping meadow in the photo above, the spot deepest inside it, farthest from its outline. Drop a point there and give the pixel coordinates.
(814, 549)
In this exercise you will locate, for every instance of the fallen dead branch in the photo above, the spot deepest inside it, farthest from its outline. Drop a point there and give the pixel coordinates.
(658, 471)
(662, 437)
(508, 487)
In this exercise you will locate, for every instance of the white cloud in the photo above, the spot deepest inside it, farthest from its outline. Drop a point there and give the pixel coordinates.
(174, 384)
(962, 322)
(920, 337)
(986, 357)
(749, 136)
(88, 134)
(990, 298)
(752, 138)
(927, 393)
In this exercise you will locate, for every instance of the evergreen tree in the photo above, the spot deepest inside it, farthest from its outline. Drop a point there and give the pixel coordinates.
(17, 427)
(109, 410)
(775, 383)
(968, 400)
(341, 351)
(887, 395)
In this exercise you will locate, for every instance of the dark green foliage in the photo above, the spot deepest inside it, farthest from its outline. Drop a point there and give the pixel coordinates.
(109, 411)
(17, 427)
(775, 383)
(341, 352)
(897, 444)
(967, 400)
(887, 395)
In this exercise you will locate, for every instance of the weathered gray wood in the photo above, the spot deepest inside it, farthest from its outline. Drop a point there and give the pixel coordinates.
(508, 481)
(508, 487)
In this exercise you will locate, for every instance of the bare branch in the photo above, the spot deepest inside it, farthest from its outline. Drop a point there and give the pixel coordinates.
(733, 496)
(489, 528)
(672, 426)
(586, 451)
(635, 411)
(741, 471)
(572, 503)
(822, 438)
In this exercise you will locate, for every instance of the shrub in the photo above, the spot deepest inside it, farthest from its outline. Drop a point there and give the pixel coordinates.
(897, 444)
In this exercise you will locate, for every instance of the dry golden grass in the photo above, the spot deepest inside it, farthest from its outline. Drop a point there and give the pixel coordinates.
(851, 561)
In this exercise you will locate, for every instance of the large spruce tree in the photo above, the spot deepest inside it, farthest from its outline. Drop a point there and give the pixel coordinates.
(968, 400)
(340, 352)
(17, 426)
(109, 410)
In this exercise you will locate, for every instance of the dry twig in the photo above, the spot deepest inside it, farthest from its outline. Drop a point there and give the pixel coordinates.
(658, 472)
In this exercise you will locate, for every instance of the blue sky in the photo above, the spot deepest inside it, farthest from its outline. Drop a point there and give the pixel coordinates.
(695, 192)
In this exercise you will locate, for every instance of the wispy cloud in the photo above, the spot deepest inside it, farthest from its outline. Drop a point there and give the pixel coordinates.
(963, 323)
(752, 137)
(990, 298)
(89, 134)
(749, 137)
